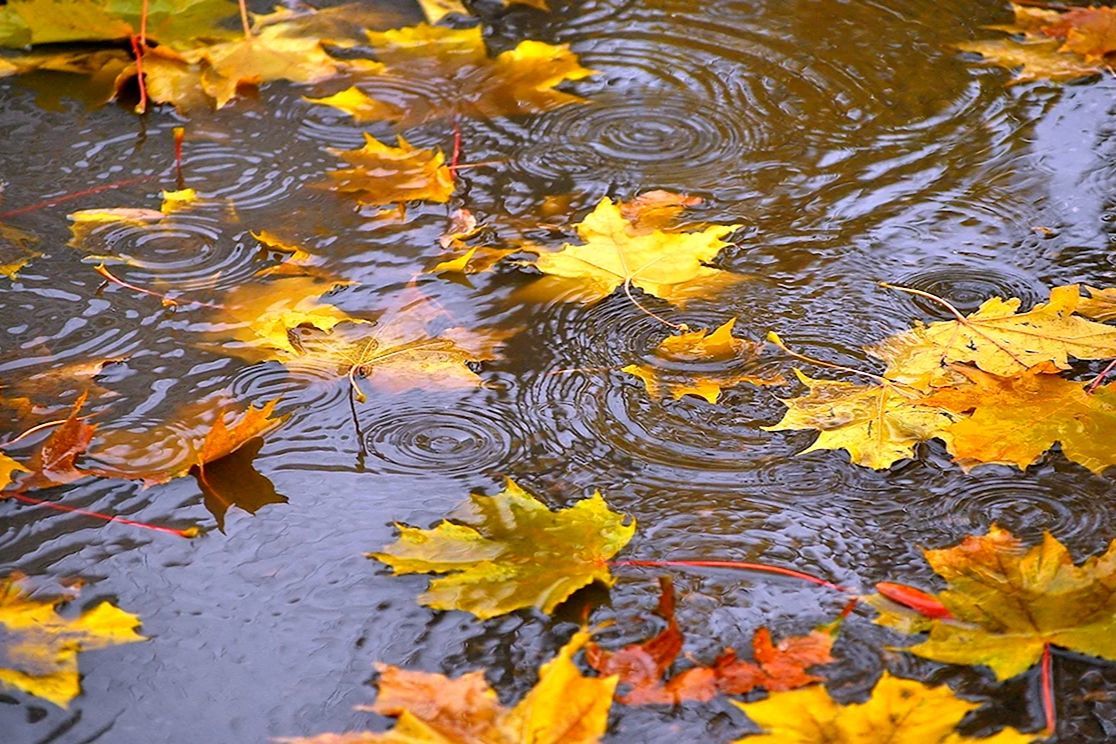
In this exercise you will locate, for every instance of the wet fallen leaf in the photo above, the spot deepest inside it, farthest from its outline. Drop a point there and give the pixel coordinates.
(899, 710)
(7, 467)
(1087, 36)
(671, 266)
(877, 425)
(564, 707)
(642, 667)
(997, 339)
(1014, 420)
(656, 210)
(1099, 305)
(261, 317)
(381, 174)
(1090, 32)
(29, 22)
(1006, 602)
(40, 655)
(509, 551)
(413, 345)
(179, 199)
(676, 367)
(516, 82)
(15, 250)
(55, 463)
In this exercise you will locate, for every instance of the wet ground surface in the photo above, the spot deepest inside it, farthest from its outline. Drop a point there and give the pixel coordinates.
(850, 140)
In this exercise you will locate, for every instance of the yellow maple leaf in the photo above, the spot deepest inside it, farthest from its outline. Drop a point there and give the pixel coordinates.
(178, 199)
(1090, 32)
(509, 551)
(1099, 305)
(672, 266)
(382, 174)
(1007, 602)
(997, 339)
(15, 250)
(1014, 420)
(564, 707)
(41, 653)
(691, 363)
(1031, 60)
(516, 82)
(899, 710)
(7, 467)
(876, 424)
(265, 315)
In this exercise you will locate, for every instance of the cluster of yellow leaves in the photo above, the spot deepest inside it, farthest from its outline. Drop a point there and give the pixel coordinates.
(187, 58)
(509, 551)
(1006, 603)
(40, 653)
(1053, 44)
(564, 707)
(899, 710)
(381, 174)
(987, 384)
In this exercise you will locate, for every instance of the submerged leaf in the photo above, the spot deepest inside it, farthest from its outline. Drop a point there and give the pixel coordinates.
(564, 707)
(899, 710)
(381, 174)
(508, 551)
(1006, 603)
(41, 653)
(516, 82)
(612, 255)
(642, 667)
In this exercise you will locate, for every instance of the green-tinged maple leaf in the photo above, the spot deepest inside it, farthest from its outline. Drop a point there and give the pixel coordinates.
(1014, 420)
(516, 82)
(30, 22)
(997, 339)
(899, 711)
(614, 255)
(1007, 602)
(876, 424)
(509, 551)
(564, 707)
(40, 653)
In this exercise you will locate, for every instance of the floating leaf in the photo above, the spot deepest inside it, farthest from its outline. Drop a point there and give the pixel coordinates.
(382, 174)
(900, 710)
(612, 255)
(1006, 603)
(876, 424)
(509, 551)
(516, 82)
(174, 201)
(27, 22)
(1099, 305)
(7, 467)
(55, 463)
(1014, 420)
(15, 250)
(1090, 32)
(656, 210)
(41, 653)
(642, 667)
(676, 365)
(564, 707)
(997, 339)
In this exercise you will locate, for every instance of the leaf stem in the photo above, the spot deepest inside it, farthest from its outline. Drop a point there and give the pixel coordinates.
(75, 195)
(108, 275)
(456, 157)
(918, 292)
(1048, 710)
(774, 338)
(137, 50)
(187, 533)
(244, 19)
(1096, 383)
(738, 565)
